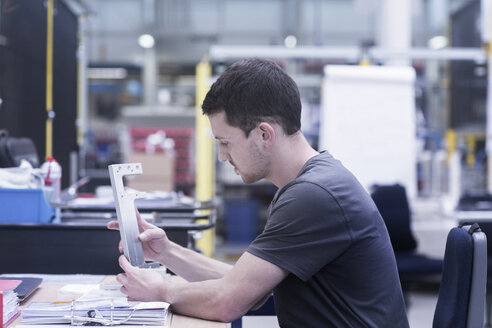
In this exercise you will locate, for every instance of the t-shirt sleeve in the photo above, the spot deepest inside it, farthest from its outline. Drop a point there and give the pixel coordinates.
(306, 230)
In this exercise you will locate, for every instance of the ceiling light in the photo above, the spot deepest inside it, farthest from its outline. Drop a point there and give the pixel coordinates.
(290, 41)
(107, 73)
(438, 42)
(146, 41)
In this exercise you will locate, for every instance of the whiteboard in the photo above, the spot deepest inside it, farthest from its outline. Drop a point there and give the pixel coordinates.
(367, 121)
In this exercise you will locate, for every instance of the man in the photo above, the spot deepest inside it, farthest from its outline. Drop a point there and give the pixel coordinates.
(325, 252)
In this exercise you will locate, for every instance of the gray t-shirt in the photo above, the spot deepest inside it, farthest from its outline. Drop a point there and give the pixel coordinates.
(324, 229)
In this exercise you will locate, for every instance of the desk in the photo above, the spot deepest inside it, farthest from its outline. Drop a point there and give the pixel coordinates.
(81, 243)
(166, 213)
(50, 293)
(473, 216)
(64, 248)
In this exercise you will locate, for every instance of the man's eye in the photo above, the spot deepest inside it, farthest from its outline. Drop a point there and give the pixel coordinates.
(223, 143)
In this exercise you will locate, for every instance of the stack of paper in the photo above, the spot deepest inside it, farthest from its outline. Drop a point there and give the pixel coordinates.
(104, 312)
(9, 301)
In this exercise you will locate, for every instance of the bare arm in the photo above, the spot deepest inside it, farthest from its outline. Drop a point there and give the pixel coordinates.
(191, 265)
(245, 286)
(188, 264)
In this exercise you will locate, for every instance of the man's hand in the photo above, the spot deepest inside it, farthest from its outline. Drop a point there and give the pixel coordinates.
(140, 284)
(154, 239)
(184, 262)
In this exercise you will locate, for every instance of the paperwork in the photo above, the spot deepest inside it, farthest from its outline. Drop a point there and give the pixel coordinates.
(105, 312)
(78, 288)
(9, 302)
(101, 304)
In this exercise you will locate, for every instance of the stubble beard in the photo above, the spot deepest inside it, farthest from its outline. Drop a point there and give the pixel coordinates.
(258, 171)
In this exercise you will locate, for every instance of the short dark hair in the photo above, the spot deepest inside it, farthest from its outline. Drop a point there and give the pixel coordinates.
(253, 90)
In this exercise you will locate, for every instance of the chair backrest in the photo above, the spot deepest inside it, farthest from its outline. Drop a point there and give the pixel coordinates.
(14, 150)
(461, 301)
(392, 203)
(476, 305)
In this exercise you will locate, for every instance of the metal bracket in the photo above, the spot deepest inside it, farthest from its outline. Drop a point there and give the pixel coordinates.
(126, 212)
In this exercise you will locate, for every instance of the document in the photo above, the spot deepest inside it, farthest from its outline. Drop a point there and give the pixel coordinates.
(107, 312)
(26, 287)
(9, 301)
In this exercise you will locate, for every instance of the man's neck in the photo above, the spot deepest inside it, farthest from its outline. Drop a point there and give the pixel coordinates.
(288, 159)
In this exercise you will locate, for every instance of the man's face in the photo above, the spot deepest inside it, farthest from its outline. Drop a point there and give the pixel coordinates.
(244, 153)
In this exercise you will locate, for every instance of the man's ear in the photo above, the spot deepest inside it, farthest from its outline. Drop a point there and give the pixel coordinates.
(267, 133)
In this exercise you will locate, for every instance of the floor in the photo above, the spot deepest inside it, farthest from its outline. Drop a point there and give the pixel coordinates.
(421, 309)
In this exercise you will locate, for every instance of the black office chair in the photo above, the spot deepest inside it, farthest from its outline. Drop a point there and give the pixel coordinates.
(14, 150)
(486, 227)
(392, 203)
(461, 301)
(481, 202)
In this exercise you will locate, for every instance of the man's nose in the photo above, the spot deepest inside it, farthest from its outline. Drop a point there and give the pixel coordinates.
(223, 156)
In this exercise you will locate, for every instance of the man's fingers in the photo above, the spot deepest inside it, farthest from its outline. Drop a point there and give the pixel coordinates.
(125, 265)
(150, 234)
(122, 279)
(143, 225)
(124, 290)
(113, 225)
(120, 247)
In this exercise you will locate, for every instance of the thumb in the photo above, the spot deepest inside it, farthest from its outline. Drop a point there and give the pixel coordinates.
(151, 234)
(142, 223)
(113, 225)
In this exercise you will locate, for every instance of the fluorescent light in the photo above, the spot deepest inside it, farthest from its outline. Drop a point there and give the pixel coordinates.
(146, 41)
(107, 73)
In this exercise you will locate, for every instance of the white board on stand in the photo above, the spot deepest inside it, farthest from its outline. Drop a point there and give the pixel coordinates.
(368, 122)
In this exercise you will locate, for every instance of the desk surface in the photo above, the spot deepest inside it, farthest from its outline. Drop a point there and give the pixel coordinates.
(474, 215)
(50, 293)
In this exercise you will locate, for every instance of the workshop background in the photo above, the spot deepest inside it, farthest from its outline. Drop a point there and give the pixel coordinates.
(121, 81)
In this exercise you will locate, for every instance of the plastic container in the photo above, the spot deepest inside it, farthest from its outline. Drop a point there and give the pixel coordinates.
(24, 206)
(52, 174)
(241, 219)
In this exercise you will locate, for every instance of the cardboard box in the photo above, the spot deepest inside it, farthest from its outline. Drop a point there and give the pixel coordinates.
(158, 172)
